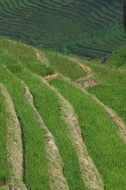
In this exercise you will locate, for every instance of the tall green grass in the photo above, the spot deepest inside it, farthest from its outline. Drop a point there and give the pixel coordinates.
(4, 170)
(104, 145)
(35, 171)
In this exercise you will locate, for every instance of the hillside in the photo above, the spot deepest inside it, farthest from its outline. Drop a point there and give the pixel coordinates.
(62, 120)
(90, 28)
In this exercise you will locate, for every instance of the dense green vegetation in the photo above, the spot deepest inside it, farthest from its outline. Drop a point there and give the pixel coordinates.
(105, 146)
(64, 66)
(46, 102)
(27, 55)
(102, 140)
(4, 172)
(34, 152)
(112, 88)
(90, 28)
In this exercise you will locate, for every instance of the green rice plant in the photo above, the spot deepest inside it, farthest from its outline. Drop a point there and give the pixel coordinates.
(112, 88)
(112, 96)
(26, 54)
(47, 105)
(35, 171)
(104, 145)
(4, 170)
(65, 66)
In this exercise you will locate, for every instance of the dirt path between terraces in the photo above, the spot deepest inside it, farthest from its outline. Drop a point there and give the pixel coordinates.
(89, 79)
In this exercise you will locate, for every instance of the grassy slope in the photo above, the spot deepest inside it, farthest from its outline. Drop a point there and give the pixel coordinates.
(103, 142)
(27, 55)
(112, 90)
(47, 105)
(64, 66)
(104, 145)
(34, 153)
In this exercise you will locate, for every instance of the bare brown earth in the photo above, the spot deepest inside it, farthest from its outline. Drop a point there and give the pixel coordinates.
(53, 76)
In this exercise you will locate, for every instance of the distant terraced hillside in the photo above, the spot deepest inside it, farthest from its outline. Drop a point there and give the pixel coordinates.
(62, 120)
(90, 28)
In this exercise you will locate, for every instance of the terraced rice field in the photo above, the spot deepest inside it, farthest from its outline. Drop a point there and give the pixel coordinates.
(90, 28)
(54, 134)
